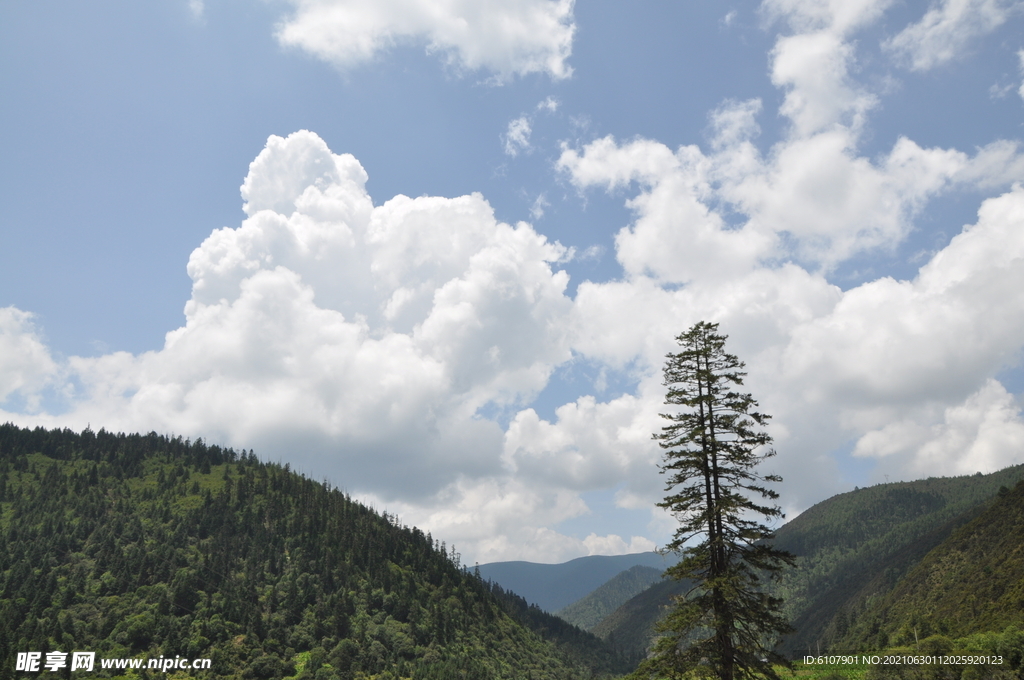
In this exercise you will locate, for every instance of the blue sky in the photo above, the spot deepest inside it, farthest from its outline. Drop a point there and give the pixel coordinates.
(469, 231)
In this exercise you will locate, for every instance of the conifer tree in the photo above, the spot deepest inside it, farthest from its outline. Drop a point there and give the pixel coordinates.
(727, 624)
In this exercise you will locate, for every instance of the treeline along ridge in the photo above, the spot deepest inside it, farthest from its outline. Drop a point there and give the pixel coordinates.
(149, 545)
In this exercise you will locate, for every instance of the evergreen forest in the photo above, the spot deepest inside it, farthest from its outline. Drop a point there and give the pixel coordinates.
(150, 546)
(856, 547)
(929, 566)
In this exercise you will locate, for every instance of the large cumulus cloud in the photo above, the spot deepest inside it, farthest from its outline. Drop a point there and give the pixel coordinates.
(901, 372)
(397, 349)
(369, 337)
(363, 344)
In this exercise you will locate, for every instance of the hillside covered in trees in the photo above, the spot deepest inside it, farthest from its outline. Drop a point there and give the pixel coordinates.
(885, 566)
(973, 581)
(589, 611)
(855, 547)
(132, 545)
(147, 546)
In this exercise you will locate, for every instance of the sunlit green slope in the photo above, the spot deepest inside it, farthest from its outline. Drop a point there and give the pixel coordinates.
(855, 547)
(972, 582)
(146, 545)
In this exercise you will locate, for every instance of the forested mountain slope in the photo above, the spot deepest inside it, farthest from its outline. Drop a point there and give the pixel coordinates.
(852, 551)
(588, 611)
(855, 546)
(146, 545)
(630, 628)
(972, 582)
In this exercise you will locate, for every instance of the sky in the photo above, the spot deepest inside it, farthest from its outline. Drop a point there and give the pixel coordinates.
(435, 253)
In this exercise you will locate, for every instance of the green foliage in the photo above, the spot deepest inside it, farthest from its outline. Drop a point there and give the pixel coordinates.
(727, 625)
(934, 658)
(995, 655)
(973, 581)
(852, 549)
(856, 548)
(143, 545)
(631, 628)
(590, 610)
(572, 642)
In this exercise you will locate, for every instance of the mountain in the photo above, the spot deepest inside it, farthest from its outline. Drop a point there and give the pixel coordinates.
(148, 546)
(971, 582)
(630, 628)
(588, 611)
(852, 550)
(854, 547)
(554, 586)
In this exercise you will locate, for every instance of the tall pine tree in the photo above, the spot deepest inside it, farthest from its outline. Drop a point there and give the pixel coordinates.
(726, 626)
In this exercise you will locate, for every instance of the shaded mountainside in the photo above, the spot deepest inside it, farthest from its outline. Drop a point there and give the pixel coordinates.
(853, 549)
(856, 546)
(630, 628)
(588, 612)
(145, 545)
(972, 582)
(554, 586)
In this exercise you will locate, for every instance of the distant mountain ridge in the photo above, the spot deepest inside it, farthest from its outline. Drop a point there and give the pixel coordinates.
(554, 586)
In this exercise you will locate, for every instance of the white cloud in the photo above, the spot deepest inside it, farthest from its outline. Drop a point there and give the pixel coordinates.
(1020, 56)
(984, 433)
(539, 204)
(937, 337)
(994, 166)
(26, 366)
(947, 29)
(880, 363)
(197, 8)
(892, 348)
(813, 69)
(813, 64)
(550, 104)
(374, 345)
(828, 201)
(507, 38)
(590, 445)
(497, 519)
(360, 336)
(836, 203)
(517, 137)
(675, 238)
(835, 16)
(613, 544)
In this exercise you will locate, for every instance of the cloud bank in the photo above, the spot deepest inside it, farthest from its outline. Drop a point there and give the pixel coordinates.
(398, 349)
